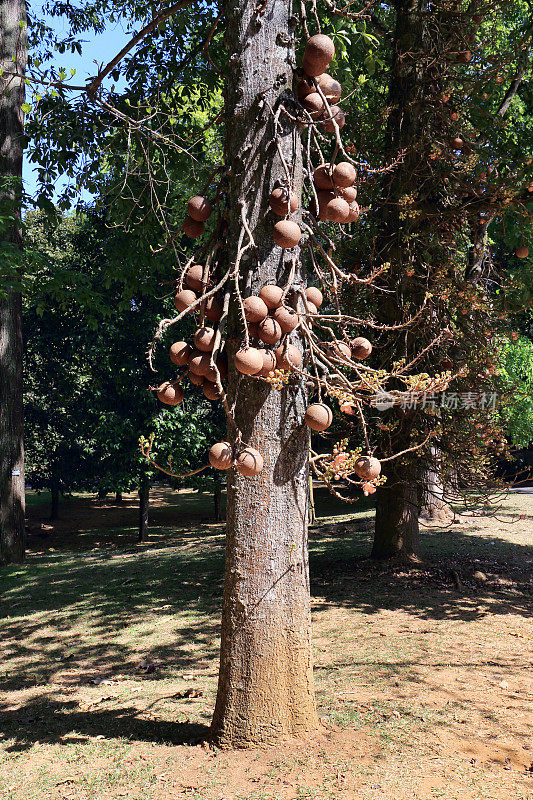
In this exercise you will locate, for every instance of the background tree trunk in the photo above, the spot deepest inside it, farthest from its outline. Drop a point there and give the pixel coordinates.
(118, 497)
(265, 688)
(397, 530)
(13, 54)
(434, 508)
(144, 505)
(54, 492)
(217, 499)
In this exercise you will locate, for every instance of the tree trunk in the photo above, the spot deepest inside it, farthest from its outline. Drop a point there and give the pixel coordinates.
(54, 491)
(217, 500)
(102, 494)
(434, 508)
(118, 497)
(265, 688)
(397, 531)
(144, 504)
(13, 53)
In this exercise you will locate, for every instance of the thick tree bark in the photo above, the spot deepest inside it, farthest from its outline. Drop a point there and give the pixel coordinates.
(265, 688)
(13, 53)
(434, 508)
(144, 505)
(217, 500)
(118, 497)
(54, 491)
(397, 531)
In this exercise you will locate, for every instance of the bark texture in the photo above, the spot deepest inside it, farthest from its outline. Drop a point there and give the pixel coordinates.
(265, 688)
(397, 530)
(12, 62)
(144, 506)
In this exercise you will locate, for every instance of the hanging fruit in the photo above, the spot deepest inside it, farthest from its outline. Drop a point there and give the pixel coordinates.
(221, 456)
(171, 394)
(318, 417)
(249, 462)
(199, 209)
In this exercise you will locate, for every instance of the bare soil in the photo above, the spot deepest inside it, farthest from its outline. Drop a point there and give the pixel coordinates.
(109, 662)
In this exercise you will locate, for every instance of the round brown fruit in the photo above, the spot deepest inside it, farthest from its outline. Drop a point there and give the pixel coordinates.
(361, 347)
(184, 299)
(318, 417)
(213, 309)
(282, 202)
(287, 318)
(204, 339)
(286, 233)
(339, 116)
(255, 309)
(249, 361)
(270, 331)
(337, 210)
(198, 380)
(311, 308)
(194, 277)
(344, 174)
(192, 228)
(288, 356)
(314, 105)
(271, 296)
(322, 177)
(522, 252)
(349, 193)
(314, 295)
(269, 363)
(199, 208)
(319, 51)
(249, 462)
(367, 467)
(355, 212)
(211, 391)
(465, 56)
(331, 88)
(457, 143)
(305, 86)
(171, 394)
(221, 456)
(199, 362)
(180, 352)
(341, 350)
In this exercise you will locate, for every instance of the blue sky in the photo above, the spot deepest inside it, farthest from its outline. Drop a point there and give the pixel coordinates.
(97, 47)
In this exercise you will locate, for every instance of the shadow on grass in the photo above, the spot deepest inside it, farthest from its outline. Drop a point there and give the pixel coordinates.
(52, 722)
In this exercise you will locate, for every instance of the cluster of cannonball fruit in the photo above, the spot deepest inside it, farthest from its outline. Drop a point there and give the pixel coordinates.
(317, 84)
(248, 461)
(336, 193)
(268, 320)
(199, 209)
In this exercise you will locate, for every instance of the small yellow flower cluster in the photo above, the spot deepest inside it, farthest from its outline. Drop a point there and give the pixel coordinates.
(278, 378)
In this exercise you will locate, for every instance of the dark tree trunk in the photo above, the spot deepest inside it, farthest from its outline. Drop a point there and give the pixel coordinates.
(433, 507)
(54, 491)
(144, 504)
(13, 53)
(118, 497)
(265, 688)
(397, 531)
(398, 503)
(217, 501)
(102, 494)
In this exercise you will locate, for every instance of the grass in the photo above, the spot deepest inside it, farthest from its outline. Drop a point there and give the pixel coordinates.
(110, 648)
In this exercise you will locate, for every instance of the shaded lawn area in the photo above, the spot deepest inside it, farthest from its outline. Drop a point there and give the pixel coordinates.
(110, 650)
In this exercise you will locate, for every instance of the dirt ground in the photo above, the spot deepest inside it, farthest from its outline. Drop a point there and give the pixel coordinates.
(109, 662)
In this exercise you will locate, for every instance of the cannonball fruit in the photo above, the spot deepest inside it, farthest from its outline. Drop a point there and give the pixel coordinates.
(283, 202)
(339, 116)
(180, 352)
(354, 212)
(171, 394)
(271, 296)
(314, 105)
(341, 350)
(367, 467)
(249, 361)
(194, 277)
(344, 174)
(199, 362)
(322, 177)
(255, 309)
(213, 309)
(337, 210)
(522, 252)
(270, 331)
(249, 462)
(184, 299)
(318, 417)
(286, 233)
(288, 356)
(348, 193)
(221, 455)
(193, 228)
(319, 51)
(314, 296)
(287, 318)
(199, 208)
(204, 339)
(198, 380)
(305, 86)
(210, 391)
(269, 363)
(331, 88)
(361, 347)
